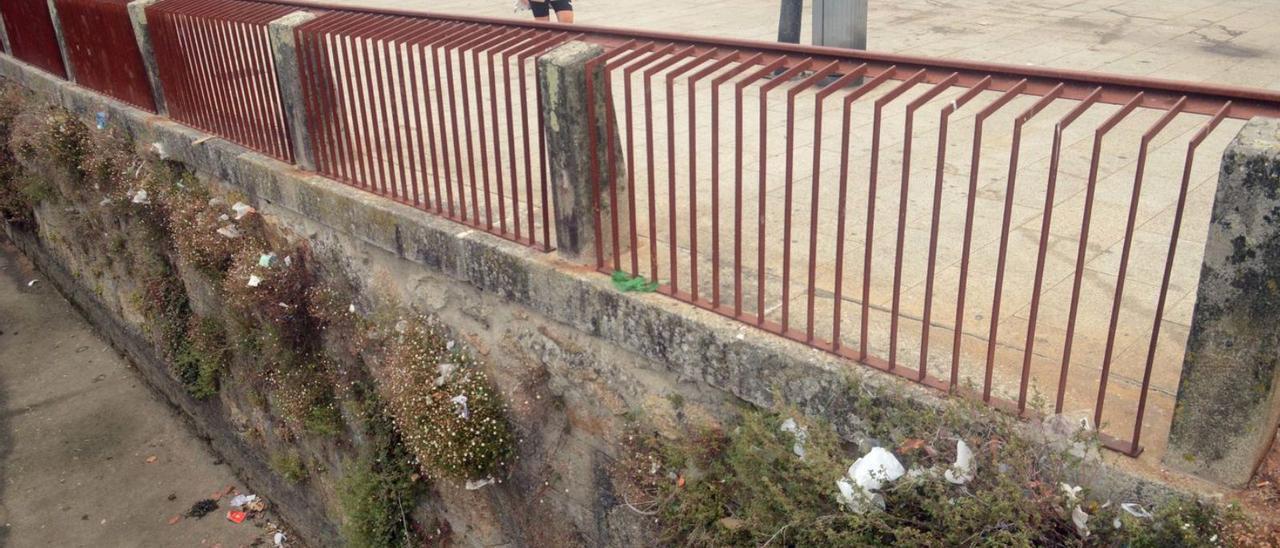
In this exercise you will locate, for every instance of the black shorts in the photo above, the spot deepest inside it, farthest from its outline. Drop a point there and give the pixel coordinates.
(543, 9)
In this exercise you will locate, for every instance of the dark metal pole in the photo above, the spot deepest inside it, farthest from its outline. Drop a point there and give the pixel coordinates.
(789, 21)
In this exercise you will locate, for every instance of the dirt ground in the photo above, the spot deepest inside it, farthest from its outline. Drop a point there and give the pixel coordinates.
(89, 456)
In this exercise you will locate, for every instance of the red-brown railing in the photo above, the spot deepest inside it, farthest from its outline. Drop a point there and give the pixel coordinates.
(103, 50)
(414, 109)
(31, 34)
(215, 65)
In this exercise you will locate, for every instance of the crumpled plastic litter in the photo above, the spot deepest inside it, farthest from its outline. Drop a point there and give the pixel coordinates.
(158, 148)
(962, 471)
(1071, 492)
(1136, 510)
(473, 485)
(240, 501)
(229, 231)
(141, 197)
(352, 308)
(254, 281)
(266, 259)
(445, 369)
(1081, 521)
(279, 539)
(242, 209)
(101, 119)
(461, 401)
(800, 433)
(224, 218)
(867, 475)
(32, 283)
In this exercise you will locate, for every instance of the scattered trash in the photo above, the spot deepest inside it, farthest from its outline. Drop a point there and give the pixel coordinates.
(800, 433)
(201, 140)
(962, 471)
(266, 259)
(1071, 492)
(241, 501)
(448, 346)
(236, 516)
(229, 231)
(445, 369)
(141, 197)
(352, 308)
(461, 401)
(473, 485)
(202, 508)
(254, 281)
(279, 539)
(101, 119)
(242, 209)
(175, 519)
(288, 260)
(32, 283)
(105, 202)
(1081, 520)
(224, 218)
(867, 475)
(1136, 510)
(158, 148)
(152, 459)
(627, 284)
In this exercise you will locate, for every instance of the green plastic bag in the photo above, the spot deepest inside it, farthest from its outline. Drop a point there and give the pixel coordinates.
(627, 284)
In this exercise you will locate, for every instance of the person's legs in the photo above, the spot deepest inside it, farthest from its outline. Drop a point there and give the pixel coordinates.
(564, 10)
(541, 11)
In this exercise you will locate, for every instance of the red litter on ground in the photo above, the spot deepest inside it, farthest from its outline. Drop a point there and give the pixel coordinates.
(236, 516)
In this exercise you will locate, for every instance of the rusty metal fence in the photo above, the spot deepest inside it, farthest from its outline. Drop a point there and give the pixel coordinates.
(31, 34)
(440, 115)
(1029, 236)
(103, 50)
(215, 64)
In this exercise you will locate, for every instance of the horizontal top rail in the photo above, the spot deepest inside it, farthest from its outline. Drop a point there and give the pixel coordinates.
(1203, 99)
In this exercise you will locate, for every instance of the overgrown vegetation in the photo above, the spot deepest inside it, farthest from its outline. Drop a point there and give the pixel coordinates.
(747, 486)
(289, 465)
(379, 489)
(202, 356)
(447, 412)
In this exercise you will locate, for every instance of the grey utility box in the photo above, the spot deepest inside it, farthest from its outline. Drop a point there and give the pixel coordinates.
(840, 23)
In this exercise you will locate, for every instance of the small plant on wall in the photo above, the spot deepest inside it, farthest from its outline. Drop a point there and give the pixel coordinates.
(445, 408)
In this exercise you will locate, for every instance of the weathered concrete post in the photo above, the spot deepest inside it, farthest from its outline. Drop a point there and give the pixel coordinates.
(284, 50)
(562, 74)
(62, 41)
(1228, 404)
(138, 15)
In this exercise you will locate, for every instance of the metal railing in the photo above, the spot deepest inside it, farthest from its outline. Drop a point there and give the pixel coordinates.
(413, 109)
(31, 34)
(103, 50)
(215, 64)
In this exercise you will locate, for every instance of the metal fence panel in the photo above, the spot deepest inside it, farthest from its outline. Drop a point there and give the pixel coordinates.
(31, 34)
(103, 50)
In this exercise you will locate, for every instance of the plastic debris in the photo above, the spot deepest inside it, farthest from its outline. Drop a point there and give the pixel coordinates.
(448, 346)
(240, 501)
(1136, 510)
(229, 231)
(279, 539)
(141, 197)
(224, 218)
(158, 148)
(1081, 521)
(236, 516)
(800, 433)
(202, 508)
(242, 209)
(266, 259)
(473, 485)
(288, 260)
(1071, 492)
(101, 119)
(461, 401)
(445, 370)
(962, 471)
(32, 283)
(254, 281)
(866, 476)
(352, 308)
(627, 284)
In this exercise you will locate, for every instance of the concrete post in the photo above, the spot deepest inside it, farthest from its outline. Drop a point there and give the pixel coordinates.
(840, 23)
(285, 53)
(562, 75)
(789, 20)
(138, 15)
(62, 41)
(1228, 405)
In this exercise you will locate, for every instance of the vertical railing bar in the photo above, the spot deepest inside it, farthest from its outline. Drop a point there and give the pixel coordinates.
(1004, 231)
(1078, 277)
(647, 75)
(1046, 224)
(872, 181)
(1135, 447)
(903, 194)
(939, 172)
(636, 53)
(1126, 248)
(737, 177)
(612, 160)
(742, 65)
(962, 287)
(673, 235)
